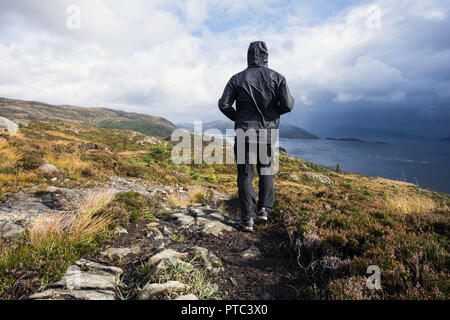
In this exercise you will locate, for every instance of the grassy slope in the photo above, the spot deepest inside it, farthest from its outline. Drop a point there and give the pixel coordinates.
(99, 117)
(360, 221)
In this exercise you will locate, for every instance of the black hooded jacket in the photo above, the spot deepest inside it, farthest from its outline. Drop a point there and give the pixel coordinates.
(261, 94)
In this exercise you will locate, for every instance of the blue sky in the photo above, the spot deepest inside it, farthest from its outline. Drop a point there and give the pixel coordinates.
(172, 58)
(273, 12)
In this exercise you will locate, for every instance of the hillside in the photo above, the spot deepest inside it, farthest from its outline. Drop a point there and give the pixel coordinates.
(99, 117)
(79, 203)
(287, 131)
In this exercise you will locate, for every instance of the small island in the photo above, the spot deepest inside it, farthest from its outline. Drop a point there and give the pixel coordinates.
(354, 140)
(447, 139)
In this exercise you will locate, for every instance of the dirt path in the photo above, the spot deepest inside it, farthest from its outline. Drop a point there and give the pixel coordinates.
(250, 266)
(271, 274)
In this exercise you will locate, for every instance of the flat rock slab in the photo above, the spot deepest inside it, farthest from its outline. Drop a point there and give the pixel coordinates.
(151, 290)
(63, 294)
(77, 279)
(251, 252)
(98, 266)
(203, 219)
(121, 252)
(166, 254)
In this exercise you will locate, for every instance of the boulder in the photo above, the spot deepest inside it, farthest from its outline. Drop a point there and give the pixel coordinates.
(8, 126)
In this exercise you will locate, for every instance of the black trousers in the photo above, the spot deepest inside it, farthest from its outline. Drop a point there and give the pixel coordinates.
(245, 175)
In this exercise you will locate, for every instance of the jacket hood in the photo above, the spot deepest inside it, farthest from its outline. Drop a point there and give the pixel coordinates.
(257, 55)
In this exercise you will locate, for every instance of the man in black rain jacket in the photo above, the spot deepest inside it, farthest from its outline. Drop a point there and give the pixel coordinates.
(262, 96)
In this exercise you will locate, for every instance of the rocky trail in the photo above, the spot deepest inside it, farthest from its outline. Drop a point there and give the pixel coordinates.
(190, 252)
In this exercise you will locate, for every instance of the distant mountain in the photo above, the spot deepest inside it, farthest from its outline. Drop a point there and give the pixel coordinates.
(445, 139)
(375, 134)
(287, 131)
(346, 139)
(98, 117)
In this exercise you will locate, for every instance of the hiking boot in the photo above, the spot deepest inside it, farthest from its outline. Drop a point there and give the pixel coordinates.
(247, 225)
(263, 215)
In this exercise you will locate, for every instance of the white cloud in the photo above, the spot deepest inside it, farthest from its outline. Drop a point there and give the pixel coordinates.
(162, 58)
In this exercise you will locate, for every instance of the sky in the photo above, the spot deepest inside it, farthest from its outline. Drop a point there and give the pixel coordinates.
(366, 64)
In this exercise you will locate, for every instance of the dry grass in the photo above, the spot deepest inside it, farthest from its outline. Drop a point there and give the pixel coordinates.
(73, 226)
(411, 203)
(62, 135)
(132, 153)
(175, 202)
(8, 154)
(70, 162)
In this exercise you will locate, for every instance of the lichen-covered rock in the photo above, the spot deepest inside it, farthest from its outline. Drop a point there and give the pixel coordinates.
(319, 177)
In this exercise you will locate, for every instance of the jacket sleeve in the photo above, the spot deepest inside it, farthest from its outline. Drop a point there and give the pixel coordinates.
(227, 100)
(285, 99)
